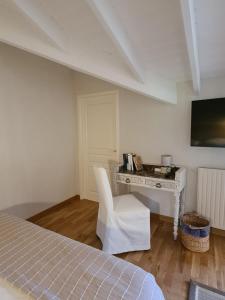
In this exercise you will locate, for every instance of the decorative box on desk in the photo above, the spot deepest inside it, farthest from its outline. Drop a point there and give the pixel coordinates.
(173, 181)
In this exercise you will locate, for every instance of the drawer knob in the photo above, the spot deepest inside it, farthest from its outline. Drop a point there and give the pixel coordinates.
(158, 185)
(127, 180)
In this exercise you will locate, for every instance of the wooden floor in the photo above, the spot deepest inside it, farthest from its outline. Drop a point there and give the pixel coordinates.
(172, 265)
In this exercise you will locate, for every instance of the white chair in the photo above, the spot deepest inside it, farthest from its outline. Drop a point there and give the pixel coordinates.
(123, 222)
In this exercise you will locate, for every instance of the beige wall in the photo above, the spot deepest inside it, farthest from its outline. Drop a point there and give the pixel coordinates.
(150, 129)
(37, 133)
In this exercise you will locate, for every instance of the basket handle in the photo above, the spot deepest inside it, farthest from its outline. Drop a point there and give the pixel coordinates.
(194, 227)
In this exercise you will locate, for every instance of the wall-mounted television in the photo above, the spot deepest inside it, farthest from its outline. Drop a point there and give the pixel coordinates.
(208, 123)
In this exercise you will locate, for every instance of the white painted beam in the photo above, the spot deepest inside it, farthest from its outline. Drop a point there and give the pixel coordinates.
(45, 23)
(154, 88)
(187, 7)
(113, 27)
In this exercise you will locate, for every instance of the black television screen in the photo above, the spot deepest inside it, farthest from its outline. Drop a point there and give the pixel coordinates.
(208, 123)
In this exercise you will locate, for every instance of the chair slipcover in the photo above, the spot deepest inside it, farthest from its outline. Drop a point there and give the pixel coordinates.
(123, 222)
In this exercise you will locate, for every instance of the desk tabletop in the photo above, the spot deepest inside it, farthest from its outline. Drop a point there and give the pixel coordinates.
(149, 171)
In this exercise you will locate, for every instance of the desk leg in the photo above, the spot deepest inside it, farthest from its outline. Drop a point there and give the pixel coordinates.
(182, 200)
(176, 214)
(114, 185)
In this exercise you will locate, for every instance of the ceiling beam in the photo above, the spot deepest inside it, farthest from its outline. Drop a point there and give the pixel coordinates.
(44, 23)
(154, 88)
(114, 29)
(187, 7)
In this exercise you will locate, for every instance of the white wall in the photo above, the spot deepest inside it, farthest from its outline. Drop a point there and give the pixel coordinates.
(37, 133)
(38, 136)
(150, 129)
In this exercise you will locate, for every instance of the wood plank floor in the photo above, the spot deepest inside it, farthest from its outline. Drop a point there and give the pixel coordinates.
(172, 265)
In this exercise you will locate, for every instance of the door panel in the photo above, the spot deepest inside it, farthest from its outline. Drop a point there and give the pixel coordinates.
(98, 137)
(101, 126)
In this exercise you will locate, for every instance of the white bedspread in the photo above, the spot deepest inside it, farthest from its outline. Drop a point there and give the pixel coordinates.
(36, 263)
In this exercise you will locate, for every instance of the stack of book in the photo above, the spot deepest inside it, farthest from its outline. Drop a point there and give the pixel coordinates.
(132, 162)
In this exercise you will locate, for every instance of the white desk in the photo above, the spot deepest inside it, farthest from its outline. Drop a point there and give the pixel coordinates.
(176, 186)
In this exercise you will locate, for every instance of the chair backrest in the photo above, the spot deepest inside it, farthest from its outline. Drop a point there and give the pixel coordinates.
(103, 188)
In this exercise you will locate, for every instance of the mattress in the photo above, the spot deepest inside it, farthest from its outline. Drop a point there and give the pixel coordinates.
(40, 264)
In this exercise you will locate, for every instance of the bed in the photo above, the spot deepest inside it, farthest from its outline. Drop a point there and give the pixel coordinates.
(36, 263)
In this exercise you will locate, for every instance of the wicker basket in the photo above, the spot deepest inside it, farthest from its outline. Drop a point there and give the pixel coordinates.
(195, 232)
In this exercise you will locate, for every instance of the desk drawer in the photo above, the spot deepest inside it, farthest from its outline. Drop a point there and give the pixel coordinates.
(130, 179)
(160, 184)
(143, 181)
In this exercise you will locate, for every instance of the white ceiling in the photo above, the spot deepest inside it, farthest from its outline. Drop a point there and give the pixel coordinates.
(156, 31)
(143, 45)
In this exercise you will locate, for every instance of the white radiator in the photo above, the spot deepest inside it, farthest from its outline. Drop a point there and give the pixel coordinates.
(211, 196)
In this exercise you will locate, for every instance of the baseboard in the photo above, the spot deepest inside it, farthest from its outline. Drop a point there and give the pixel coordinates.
(53, 208)
(217, 231)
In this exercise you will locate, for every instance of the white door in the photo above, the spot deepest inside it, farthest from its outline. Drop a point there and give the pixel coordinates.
(98, 137)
